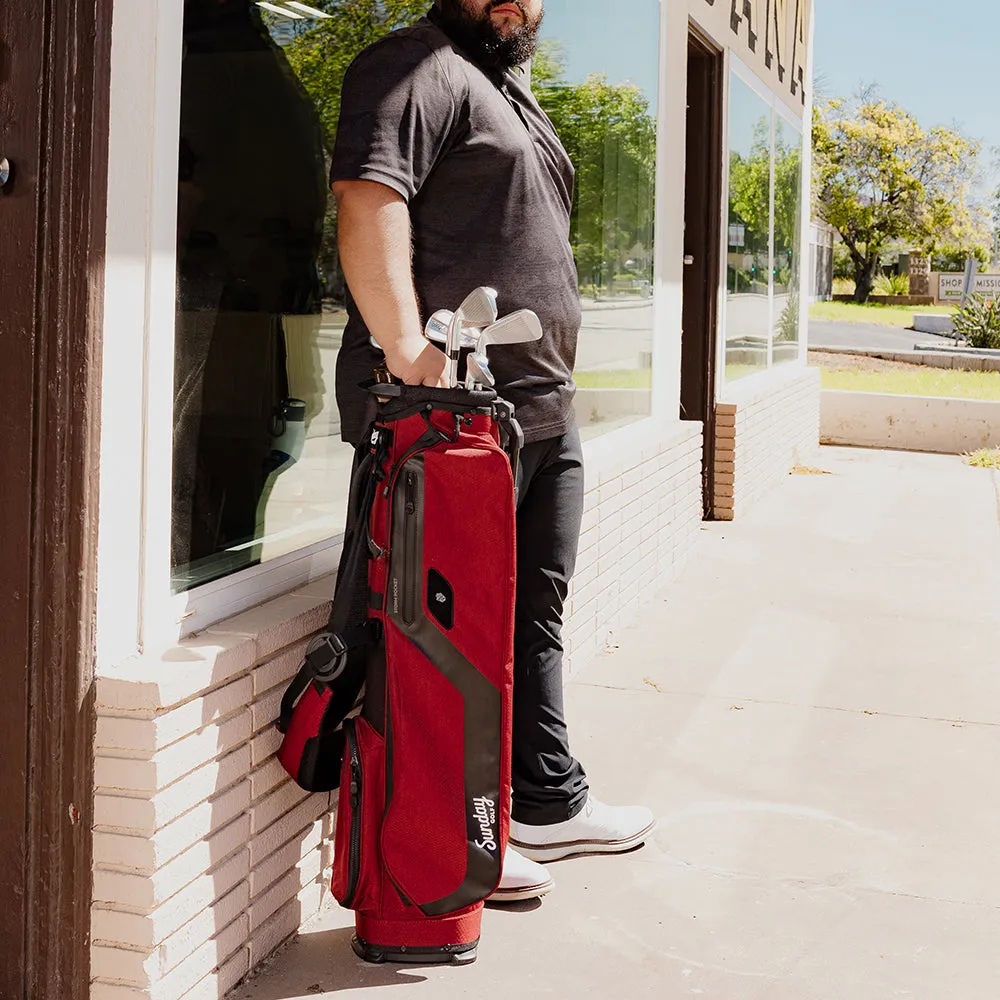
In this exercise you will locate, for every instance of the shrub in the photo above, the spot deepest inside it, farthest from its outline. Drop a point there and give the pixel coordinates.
(843, 286)
(788, 323)
(985, 458)
(843, 266)
(892, 284)
(978, 321)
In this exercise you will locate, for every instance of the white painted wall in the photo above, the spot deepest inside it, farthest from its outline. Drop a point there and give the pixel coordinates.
(908, 423)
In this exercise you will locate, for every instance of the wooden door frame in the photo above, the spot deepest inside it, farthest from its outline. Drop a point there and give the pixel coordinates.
(54, 100)
(714, 54)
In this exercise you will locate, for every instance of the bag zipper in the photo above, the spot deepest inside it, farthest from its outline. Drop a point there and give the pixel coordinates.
(354, 850)
(409, 569)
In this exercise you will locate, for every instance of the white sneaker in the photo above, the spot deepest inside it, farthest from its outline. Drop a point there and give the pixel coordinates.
(596, 829)
(521, 879)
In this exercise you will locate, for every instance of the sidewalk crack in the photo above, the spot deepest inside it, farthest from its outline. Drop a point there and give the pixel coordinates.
(735, 700)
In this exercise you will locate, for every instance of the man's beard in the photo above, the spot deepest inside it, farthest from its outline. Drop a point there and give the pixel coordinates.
(477, 34)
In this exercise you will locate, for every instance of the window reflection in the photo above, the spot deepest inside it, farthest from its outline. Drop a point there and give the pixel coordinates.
(787, 238)
(748, 257)
(255, 425)
(259, 470)
(607, 122)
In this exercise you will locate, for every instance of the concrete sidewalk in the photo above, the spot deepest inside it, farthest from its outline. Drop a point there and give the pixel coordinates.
(813, 711)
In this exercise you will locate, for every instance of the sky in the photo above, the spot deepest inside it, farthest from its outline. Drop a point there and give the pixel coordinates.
(939, 61)
(595, 41)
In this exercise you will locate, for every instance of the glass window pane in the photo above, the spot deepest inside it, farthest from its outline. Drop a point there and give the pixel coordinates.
(259, 468)
(787, 238)
(748, 255)
(596, 77)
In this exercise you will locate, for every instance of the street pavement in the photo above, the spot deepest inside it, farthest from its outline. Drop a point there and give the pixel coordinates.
(813, 711)
(868, 337)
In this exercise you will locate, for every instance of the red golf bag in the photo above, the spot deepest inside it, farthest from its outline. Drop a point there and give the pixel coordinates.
(425, 768)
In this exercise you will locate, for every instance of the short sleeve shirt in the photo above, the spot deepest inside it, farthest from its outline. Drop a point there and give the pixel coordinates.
(490, 192)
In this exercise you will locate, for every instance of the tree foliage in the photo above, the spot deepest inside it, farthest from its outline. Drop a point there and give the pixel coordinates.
(610, 135)
(321, 53)
(880, 177)
(608, 130)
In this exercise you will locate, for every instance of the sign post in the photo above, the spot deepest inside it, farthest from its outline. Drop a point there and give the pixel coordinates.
(968, 286)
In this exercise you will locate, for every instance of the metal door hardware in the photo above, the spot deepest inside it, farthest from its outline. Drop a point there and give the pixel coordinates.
(4, 170)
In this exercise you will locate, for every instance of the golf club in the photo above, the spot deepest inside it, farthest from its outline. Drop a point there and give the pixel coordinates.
(452, 350)
(521, 327)
(479, 307)
(436, 330)
(478, 372)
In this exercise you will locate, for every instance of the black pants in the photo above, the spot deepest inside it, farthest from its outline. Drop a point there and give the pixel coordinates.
(549, 785)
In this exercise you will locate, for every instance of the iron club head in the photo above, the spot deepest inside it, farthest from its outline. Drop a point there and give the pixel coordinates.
(436, 330)
(479, 308)
(521, 327)
(478, 372)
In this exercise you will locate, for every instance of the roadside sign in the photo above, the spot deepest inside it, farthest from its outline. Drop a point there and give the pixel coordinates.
(952, 286)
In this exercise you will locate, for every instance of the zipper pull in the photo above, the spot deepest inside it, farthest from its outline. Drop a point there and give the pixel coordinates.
(411, 493)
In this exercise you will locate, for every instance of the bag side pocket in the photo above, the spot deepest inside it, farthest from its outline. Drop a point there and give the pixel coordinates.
(359, 811)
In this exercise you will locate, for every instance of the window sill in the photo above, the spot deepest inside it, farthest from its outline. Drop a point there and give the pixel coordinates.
(156, 681)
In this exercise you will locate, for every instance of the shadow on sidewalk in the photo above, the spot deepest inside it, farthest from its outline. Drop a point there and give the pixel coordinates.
(324, 964)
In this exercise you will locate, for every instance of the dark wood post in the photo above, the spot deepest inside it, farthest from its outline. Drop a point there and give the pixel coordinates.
(54, 97)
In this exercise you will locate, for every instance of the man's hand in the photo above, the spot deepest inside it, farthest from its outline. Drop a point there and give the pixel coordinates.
(417, 361)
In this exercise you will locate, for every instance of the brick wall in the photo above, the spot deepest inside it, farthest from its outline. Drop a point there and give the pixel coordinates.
(207, 857)
(642, 514)
(761, 438)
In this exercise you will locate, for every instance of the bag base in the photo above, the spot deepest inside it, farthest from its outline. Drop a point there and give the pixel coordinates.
(460, 954)
(451, 941)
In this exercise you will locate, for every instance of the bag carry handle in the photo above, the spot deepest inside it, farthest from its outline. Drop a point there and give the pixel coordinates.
(326, 660)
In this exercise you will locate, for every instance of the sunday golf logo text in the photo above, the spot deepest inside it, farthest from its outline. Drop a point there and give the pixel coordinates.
(485, 813)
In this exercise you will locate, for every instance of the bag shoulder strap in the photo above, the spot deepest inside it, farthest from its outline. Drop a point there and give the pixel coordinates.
(327, 654)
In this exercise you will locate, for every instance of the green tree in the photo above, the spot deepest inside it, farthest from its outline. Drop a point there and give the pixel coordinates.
(321, 53)
(610, 135)
(879, 177)
(750, 186)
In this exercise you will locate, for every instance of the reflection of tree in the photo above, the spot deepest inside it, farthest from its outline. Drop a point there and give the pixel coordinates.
(610, 135)
(787, 203)
(750, 196)
(750, 188)
(321, 54)
(607, 130)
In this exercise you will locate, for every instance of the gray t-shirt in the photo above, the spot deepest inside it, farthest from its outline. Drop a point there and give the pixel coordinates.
(490, 190)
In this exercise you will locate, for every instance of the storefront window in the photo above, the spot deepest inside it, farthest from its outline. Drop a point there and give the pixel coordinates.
(787, 238)
(596, 77)
(748, 266)
(259, 470)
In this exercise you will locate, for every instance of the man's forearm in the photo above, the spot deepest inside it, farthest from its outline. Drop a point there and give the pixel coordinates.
(374, 239)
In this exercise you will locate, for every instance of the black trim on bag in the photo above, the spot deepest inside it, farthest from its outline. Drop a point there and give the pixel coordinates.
(356, 791)
(483, 715)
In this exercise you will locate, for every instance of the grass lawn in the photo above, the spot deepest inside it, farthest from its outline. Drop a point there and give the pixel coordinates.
(985, 458)
(861, 374)
(622, 378)
(851, 312)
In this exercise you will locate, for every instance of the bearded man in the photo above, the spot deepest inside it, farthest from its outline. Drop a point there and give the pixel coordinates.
(448, 175)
